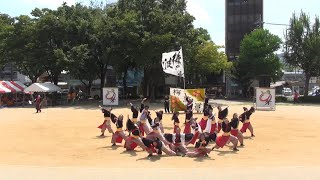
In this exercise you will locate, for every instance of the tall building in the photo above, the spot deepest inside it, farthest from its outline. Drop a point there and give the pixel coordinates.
(242, 16)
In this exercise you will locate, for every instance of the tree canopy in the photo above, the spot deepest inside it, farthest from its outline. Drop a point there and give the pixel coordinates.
(257, 58)
(303, 46)
(86, 40)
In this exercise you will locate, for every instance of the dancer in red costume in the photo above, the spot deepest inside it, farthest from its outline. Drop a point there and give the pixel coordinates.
(156, 133)
(245, 119)
(203, 121)
(119, 135)
(201, 149)
(221, 115)
(144, 116)
(135, 139)
(176, 121)
(234, 128)
(107, 121)
(211, 130)
(226, 137)
(187, 127)
(159, 116)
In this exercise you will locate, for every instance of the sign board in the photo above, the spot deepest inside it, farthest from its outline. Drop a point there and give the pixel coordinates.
(178, 99)
(265, 99)
(110, 96)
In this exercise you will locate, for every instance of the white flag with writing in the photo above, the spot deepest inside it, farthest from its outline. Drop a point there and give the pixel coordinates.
(172, 63)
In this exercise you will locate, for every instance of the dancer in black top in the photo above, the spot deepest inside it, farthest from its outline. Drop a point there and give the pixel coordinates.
(234, 128)
(119, 135)
(107, 121)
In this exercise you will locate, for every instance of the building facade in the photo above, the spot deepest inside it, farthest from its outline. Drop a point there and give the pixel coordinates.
(242, 17)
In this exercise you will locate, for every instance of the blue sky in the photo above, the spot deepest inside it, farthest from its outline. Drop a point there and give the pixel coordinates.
(209, 13)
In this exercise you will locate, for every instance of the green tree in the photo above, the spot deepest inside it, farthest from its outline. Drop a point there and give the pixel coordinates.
(209, 60)
(257, 58)
(6, 29)
(303, 46)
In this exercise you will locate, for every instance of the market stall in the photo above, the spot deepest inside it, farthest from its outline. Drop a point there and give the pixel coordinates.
(47, 90)
(11, 93)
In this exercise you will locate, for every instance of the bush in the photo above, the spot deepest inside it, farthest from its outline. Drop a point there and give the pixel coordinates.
(281, 99)
(309, 99)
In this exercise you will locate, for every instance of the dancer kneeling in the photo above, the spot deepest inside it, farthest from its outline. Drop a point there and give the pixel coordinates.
(157, 146)
(201, 148)
(135, 138)
(156, 132)
(226, 136)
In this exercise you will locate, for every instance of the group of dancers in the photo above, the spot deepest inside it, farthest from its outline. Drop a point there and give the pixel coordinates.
(148, 133)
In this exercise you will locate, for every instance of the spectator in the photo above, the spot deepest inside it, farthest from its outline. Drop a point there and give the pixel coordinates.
(295, 97)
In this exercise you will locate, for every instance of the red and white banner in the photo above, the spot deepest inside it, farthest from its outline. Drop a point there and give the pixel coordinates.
(11, 87)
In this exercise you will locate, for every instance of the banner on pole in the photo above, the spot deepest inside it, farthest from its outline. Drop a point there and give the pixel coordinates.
(172, 63)
(178, 99)
(110, 96)
(265, 99)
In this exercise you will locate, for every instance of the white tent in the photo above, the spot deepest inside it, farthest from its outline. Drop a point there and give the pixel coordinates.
(42, 87)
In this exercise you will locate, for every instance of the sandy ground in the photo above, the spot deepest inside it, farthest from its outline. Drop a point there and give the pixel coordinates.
(64, 142)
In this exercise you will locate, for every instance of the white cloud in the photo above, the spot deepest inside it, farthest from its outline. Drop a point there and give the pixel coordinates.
(49, 3)
(195, 7)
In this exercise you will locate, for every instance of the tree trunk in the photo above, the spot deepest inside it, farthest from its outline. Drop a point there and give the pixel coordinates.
(306, 85)
(89, 87)
(55, 79)
(103, 73)
(124, 82)
(145, 83)
(152, 92)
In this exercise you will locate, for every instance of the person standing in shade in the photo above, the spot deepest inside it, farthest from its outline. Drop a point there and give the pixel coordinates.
(166, 104)
(38, 103)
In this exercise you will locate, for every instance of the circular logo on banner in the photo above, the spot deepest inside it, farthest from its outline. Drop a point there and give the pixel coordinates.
(110, 95)
(265, 97)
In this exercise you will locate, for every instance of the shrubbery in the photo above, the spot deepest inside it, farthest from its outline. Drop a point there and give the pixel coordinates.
(281, 99)
(309, 99)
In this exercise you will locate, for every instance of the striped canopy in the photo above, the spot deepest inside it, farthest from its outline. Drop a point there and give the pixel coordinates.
(11, 87)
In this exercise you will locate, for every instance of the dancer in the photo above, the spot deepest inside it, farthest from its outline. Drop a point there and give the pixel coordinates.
(156, 146)
(234, 128)
(211, 130)
(144, 124)
(135, 139)
(176, 121)
(159, 116)
(189, 138)
(222, 140)
(156, 133)
(187, 127)
(203, 121)
(119, 135)
(221, 115)
(189, 102)
(245, 119)
(201, 149)
(135, 113)
(38, 103)
(107, 121)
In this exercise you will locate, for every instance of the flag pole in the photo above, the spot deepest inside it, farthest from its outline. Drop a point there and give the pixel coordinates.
(184, 76)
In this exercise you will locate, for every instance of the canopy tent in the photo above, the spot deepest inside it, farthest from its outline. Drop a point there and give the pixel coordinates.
(4, 90)
(11, 87)
(42, 87)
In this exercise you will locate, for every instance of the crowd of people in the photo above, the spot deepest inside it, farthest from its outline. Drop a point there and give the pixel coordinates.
(148, 133)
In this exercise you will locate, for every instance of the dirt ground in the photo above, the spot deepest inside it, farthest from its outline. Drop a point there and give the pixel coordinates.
(67, 138)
